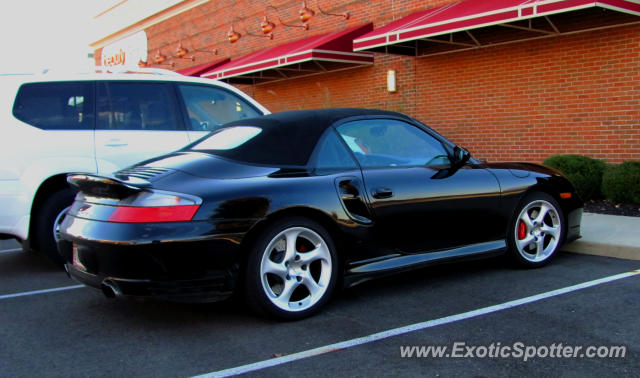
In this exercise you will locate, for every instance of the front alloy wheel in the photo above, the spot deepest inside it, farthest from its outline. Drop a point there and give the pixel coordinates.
(292, 271)
(538, 229)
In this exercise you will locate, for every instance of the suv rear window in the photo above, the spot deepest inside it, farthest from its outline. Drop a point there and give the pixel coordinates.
(56, 105)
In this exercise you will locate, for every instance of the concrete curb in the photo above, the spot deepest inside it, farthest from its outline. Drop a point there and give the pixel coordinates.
(606, 250)
(609, 236)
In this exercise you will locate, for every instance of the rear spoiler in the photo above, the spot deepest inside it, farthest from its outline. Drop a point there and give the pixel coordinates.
(109, 187)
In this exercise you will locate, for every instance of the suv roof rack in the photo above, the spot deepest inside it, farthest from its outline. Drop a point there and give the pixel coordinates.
(153, 71)
(114, 70)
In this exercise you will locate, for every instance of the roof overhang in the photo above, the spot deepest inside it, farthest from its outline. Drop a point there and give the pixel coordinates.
(202, 68)
(480, 23)
(314, 55)
(130, 17)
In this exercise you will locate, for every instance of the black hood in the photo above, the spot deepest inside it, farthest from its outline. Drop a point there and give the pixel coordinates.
(520, 166)
(521, 170)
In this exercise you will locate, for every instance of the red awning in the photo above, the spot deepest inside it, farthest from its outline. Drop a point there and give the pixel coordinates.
(322, 53)
(201, 68)
(478, 23)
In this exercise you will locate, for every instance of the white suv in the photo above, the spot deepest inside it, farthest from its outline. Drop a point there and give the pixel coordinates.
(51, 125)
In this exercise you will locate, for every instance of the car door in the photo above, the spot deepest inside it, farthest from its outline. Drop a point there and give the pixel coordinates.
(136, 120)
(207, 107)
(418, 200)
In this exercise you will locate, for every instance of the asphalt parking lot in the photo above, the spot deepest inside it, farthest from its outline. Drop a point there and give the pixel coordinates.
(78, 332)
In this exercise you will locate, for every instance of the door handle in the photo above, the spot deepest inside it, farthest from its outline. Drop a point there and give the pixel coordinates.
(380, 193)
(115, 143)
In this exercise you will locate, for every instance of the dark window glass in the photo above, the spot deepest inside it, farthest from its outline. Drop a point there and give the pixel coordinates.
(56, 105)
(137, 106)
(209, 107)
(332, 153)
(391, 143)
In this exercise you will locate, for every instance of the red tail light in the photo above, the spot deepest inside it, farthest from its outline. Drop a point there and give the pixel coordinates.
(136, 214)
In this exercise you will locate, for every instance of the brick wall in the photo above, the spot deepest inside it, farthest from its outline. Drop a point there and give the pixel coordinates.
(577, 93)
(568, 94)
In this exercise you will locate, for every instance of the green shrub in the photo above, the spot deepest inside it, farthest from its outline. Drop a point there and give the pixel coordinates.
(584, 173)
(621, 183)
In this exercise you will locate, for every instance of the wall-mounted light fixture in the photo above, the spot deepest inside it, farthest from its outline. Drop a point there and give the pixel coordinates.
(159, 58)
(266, 25)
(391, 81)
(345, 15)
(182, 51)
(305, 13)
(304, 25)
(233, 35)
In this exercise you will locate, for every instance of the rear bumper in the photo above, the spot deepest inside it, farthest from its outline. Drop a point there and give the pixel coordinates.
(212, 289)
(180, 261)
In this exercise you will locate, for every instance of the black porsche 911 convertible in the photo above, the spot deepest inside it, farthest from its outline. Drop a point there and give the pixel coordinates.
(286, 207)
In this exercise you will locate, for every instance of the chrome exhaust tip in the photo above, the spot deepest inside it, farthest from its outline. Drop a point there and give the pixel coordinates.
(109, 289)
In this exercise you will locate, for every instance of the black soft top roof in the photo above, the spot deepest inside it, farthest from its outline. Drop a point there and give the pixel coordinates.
(288, 138)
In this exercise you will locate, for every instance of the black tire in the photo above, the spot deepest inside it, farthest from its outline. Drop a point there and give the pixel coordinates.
(534, 244)
(45, 217)
(263, 299)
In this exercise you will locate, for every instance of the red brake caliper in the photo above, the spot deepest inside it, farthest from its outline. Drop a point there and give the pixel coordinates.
(522, 230)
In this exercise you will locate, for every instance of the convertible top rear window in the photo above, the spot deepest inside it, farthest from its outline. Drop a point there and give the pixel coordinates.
(227, 138)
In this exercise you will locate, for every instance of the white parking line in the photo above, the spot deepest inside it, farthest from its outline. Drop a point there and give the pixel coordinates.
(11, 250)
(44, 291)
(412, 328)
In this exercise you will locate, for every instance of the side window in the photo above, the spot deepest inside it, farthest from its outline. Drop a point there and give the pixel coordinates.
(331, 153)
(392, 143)
(209, 107)
(56, 105)
(137, 106)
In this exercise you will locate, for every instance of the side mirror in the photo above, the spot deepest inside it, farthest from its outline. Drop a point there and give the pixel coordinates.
(460, 156)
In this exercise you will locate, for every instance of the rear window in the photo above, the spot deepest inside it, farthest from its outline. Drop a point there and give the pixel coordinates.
(227, 139)
(260, 141)
(56, 105)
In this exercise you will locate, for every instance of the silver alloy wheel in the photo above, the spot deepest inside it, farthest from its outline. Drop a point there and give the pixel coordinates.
(57, 222)
(537, 231)
(296, 269)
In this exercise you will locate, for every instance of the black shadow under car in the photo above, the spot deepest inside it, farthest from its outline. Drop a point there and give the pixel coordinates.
(285, 208)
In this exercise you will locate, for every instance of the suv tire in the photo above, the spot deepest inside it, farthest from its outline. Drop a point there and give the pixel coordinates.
(51, 211)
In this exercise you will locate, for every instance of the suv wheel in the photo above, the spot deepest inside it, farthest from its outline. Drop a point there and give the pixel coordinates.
(47, 222)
